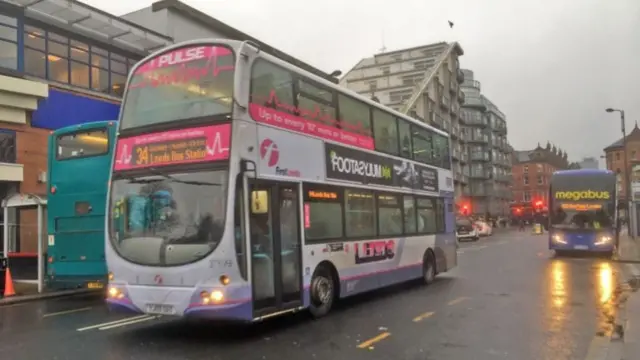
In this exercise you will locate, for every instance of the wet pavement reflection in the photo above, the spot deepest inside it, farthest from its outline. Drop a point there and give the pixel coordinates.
(509, 298)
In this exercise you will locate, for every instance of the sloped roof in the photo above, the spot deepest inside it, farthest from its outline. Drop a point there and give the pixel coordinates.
(634, 134)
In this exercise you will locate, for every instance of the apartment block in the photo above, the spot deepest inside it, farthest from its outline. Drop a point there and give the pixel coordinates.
(423, 82)
(485, 128)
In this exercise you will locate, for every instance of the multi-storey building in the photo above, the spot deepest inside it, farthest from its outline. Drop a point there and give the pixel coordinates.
(614, 154)
(423, 82)
(532, 170)
(64, 63)
(485, 128)
(589, 163)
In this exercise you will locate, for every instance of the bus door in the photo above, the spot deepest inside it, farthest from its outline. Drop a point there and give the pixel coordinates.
(275, 246)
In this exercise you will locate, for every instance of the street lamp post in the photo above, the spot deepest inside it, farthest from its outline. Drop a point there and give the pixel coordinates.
(627, 178)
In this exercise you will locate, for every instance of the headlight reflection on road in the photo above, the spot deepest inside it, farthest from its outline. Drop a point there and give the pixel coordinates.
(605, 282)
(559, 284)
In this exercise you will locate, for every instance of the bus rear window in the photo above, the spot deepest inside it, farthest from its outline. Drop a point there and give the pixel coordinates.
(82, 144)
(185, 83)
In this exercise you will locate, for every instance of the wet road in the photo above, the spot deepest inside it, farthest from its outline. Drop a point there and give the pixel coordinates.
(509, 298)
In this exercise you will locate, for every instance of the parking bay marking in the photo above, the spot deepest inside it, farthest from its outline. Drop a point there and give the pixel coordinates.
(121, 322)
(367, 344)
(458, 300)
(423, 316)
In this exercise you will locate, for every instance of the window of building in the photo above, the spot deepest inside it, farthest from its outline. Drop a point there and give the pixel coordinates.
(410, 215)
(8, 43)
(385, 70)
(539, 168)
(617, 156)
(360, 214)
(525, 180)
(526, 196)
(427, 222)
(322, 213)
(540, 180)
(354, 115)
(7, 146)
(385, 132)
(389, 215)
(525, 169)
(373, 85)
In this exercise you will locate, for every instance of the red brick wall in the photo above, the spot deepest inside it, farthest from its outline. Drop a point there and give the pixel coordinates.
(31, 151)
(536, 190)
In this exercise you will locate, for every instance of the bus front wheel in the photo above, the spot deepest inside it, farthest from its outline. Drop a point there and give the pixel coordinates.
(322, 291)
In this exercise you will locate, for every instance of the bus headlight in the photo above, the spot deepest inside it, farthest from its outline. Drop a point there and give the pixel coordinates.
(214, 297)
(557, 238)
(603, 240)
(114, 293)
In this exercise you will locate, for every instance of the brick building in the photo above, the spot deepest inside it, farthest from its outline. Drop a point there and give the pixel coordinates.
(531, 172)
(615, 158)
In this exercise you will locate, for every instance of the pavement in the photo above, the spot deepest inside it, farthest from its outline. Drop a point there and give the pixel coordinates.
(28, 291)
(509, 298)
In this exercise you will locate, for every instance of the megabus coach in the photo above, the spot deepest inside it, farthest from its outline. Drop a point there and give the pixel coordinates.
(583, 211)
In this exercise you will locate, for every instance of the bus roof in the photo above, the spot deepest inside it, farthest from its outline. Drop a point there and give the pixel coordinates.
(87, 125)
(578, 172)
(293, 68)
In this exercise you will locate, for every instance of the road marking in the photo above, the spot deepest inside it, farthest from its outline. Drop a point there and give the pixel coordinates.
(113, 322)
(128, 323)
(373, 340)
(67, 312)
(480, 247)
(458, 300)
(423, 316)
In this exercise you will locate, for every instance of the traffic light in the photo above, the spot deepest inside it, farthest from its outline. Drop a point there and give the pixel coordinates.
(465, 209)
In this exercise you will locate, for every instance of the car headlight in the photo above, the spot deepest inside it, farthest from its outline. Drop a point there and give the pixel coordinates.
(557, 238)
(603, 240)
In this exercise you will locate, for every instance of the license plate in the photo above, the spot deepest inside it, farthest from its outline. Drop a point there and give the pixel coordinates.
(161, 309)
(95, 285)
(581, 247)
(462, 232)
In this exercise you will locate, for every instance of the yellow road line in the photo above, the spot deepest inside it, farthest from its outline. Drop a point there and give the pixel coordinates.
(368, 343)
(458, 300)
(67, 312)
(423, 316)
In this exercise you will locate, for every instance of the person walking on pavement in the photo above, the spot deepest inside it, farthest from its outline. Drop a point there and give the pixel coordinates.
(521, 228)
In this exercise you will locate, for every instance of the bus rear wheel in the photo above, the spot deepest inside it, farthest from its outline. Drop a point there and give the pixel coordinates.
(322, 291)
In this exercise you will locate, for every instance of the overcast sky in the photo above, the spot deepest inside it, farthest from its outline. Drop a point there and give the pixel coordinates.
(552, 66)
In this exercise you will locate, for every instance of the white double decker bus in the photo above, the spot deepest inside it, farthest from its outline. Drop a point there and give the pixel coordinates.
(244, 187)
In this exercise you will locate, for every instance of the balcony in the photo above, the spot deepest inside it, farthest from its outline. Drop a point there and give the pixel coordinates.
(503, 178)
(453, 87)
(461, 178)
(445, 103)
(479, 156)
(460, 76)
(474, 118)
(464, 157)
(455, 132)
(495, 143)
(455, 109)
(480, 174)
(472, 84)
(475, 101)
(478, 139)
(461, 97)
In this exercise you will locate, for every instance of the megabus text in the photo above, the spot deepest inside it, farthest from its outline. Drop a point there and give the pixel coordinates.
(582, 195)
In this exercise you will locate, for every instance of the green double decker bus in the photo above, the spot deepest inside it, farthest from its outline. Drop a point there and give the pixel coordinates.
(79, 167)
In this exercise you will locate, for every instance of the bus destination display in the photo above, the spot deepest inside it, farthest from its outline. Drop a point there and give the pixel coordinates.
(170, 152)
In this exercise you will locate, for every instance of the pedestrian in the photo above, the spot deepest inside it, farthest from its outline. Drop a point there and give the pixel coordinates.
(521, 228)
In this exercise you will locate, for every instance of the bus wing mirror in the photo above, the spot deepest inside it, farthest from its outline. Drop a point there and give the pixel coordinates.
(259, 202)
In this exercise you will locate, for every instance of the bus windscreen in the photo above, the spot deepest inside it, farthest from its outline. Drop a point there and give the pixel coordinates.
(582, 202)
(185, 83)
